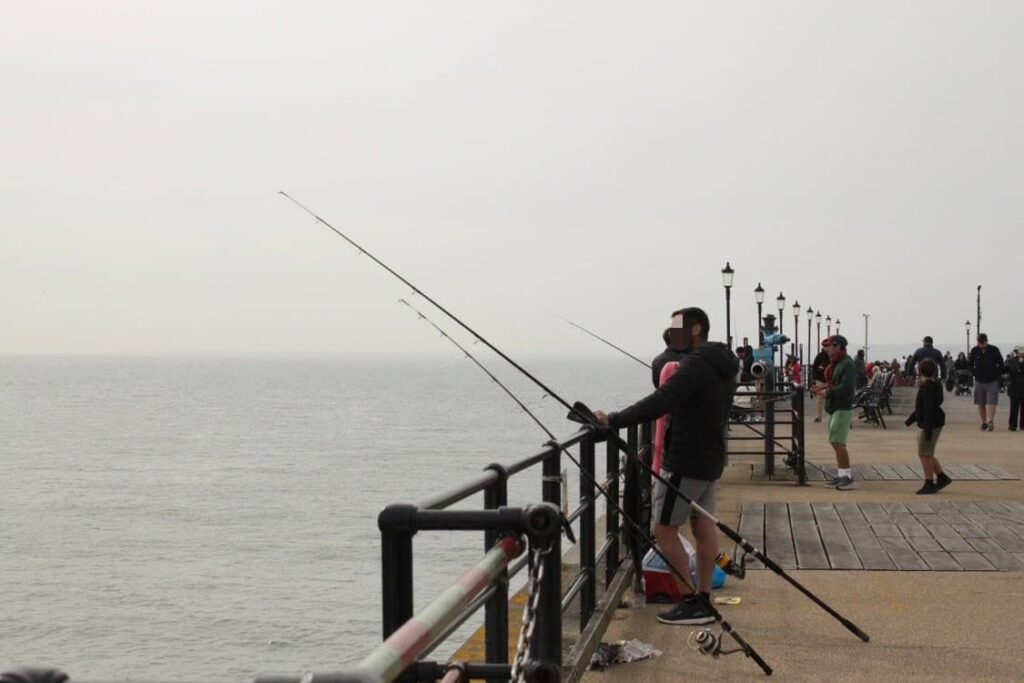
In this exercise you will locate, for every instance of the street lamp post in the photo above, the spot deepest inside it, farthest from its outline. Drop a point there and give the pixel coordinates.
(810, 315)
(967, 329)
(780, 301)
(828, 324)
(759, 299)
(866, 316)
(837, 325)
(727, 282)
(796, 327)
(817, 319)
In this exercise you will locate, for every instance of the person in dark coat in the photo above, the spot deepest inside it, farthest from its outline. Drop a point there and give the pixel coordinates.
(930, 419)
(987, 369)
(1015, 388)
(821, 361)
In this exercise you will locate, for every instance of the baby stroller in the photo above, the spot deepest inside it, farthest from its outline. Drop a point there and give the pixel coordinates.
(963, 383)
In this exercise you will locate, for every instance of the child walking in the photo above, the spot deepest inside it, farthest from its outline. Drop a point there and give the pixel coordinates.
(930, 419)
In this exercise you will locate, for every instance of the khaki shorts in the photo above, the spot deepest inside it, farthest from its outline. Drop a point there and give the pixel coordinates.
(926, 449)
(671, 510)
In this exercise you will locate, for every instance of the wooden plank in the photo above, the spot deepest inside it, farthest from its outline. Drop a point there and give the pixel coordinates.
(911, 528)
(887, 473)
(973, 562)
(905, 472)
(985, 545)
(838, 545)
(903, 556)
(778, 535)
(918, 507)
(916, 468)
(979, 473)
(924, 543)
(998, 472)
(752, 528)
(948, 514)
(939, 529)
(874, 513)
(970, 530)
(895, 508)
(940, 561)
(867, 473)
(955, 545)
(810, 553)
(957, 472)
(869, 549)
(1007, 540)
(1004, 562)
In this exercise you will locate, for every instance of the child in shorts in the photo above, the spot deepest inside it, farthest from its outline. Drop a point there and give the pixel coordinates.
(930, 419)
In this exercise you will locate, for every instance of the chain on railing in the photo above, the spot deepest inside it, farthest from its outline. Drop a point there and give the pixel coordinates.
(535, 576)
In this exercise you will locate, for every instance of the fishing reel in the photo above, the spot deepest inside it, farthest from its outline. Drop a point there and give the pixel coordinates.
(709, 643)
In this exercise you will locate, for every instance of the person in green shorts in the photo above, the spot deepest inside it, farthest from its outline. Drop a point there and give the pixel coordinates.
(840, 384)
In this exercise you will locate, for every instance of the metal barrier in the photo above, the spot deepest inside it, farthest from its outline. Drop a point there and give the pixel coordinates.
(770, 408)
(408, 638)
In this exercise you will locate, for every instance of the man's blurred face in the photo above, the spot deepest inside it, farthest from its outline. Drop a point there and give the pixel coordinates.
(681, 337)
(831, 350)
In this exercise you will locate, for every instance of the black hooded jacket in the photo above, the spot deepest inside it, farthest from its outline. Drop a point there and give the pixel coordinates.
(698, 397)
(667, 356)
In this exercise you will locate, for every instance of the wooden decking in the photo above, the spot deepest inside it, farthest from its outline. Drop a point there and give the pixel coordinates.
(915, 536)
(893, 472)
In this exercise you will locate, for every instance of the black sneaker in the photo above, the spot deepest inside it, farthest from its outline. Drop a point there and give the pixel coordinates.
(942, 481)
(689, 611)
(928, 488)
(984, 426)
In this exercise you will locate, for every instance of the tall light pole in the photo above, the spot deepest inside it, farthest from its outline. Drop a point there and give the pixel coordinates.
(866, 347)
(759, 299)
(828, 323)
(727, 282)
(810, 315)
(837, 325)
(796, 327)
(817, 319)
(780, 301)
(979, 310)
(967, 329)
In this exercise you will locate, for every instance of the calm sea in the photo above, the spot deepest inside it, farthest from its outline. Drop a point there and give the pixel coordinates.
(191, 518)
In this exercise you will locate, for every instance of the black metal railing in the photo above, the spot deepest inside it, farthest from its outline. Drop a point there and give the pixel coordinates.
(546, 661)
(771, 407)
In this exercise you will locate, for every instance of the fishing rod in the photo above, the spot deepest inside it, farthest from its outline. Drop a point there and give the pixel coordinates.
(578, 412)
(631, 524)
(621, 350)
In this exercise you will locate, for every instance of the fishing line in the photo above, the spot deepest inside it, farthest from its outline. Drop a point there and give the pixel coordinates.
(582, 414)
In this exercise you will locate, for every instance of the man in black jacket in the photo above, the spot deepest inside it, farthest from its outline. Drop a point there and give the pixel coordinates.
(698, 397)
(821, 361)
(986, 368)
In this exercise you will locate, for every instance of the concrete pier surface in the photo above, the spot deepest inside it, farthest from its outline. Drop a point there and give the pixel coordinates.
(924, 625)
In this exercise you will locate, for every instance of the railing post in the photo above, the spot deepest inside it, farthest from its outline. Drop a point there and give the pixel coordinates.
(611, 515)
(588, 532)
(799, 445)
(496, 609)
(546, 646)
(769, 426)
(396, 525)
(646, 449)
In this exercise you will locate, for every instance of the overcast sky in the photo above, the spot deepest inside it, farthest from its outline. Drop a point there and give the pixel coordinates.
(600, 161)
